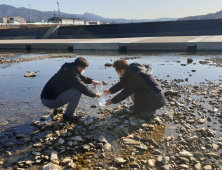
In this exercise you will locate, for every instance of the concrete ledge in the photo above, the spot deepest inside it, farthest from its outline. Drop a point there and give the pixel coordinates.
(192, 43)
(96, 46)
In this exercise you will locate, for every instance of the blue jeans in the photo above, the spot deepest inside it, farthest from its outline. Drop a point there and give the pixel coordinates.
(71, 96)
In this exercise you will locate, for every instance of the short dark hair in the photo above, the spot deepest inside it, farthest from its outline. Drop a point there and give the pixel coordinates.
(121, 64)
(82, 62)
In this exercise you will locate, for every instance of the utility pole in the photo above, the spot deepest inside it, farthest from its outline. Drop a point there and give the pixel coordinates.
(30, 12)
(58, 8)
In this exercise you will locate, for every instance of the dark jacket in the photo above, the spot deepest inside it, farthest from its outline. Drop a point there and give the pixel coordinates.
(148, 95)
(67, 77)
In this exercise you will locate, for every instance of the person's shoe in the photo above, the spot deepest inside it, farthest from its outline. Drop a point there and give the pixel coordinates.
(72, 119)
(131, 107)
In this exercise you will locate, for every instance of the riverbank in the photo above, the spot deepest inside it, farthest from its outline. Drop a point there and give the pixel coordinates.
(185, 134)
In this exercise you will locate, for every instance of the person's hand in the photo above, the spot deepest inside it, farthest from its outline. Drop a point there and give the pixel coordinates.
(97, 95)
(107, 92)
(108, 102)
(96, 83)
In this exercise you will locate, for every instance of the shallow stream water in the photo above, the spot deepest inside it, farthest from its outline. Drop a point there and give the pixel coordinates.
(20, 97)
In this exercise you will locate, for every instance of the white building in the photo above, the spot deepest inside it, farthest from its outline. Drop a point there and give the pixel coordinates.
(62, 20)
(15, 20)
(92, 23)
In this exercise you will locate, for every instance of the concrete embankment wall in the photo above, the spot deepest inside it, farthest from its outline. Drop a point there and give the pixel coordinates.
(28, 33)
(148, 29)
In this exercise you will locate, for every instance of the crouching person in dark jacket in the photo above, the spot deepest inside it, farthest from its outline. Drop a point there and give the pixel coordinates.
(67, 86)
(137, 82)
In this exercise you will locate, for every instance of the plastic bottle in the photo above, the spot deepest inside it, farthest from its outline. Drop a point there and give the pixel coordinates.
(103, 97)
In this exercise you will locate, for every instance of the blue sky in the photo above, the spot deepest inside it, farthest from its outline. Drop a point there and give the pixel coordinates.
(129, 9)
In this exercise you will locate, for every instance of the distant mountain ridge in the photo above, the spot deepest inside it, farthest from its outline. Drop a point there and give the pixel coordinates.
(207, 16)
(36, 15)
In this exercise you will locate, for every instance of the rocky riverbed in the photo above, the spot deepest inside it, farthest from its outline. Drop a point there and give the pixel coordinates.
(184, 134)
(193, 109)
(18, 60)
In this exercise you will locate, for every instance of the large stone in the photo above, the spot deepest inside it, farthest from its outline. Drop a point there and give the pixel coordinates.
(61, 141)
(120, 160)
(167, 167)
(207, 167)
(183, 166)
(77, 138)
(165, 160)
(197, 166)
(86, 147)
(127, 141)
(171, 92)
(202, 121)
(54, 157)
(66, 161)
(108, 147)
(30, 74)
(185, 153)
(151, 162)
(51, 166)
(102, 139)
(142, 147)
(169, 114)
(135, 121)
(214, 155)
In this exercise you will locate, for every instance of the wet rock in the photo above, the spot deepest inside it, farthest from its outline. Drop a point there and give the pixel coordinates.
(66, 161)
(102, 139)
(105, 83)
(135, 121)
(207, 167)
(127, 141)
(61, 141)
(167, 167)
(183, 166)
(141, 147)
(169, 114)
(86, 147)
(44, 117)
(54, 158)
(102, 155)
(144, 125)
(108, 65)
(153, 142)
(165, 160)
(189, 60)
(94, 106)
(108, 147)
(159, 159)
(202, 121)
(51, 166)
(185, 153)
(197, 166)
(119, 160)
(30, 74)
(157, 120)
(29, 163)
(112, 168)
(77, 138)
(36, 153)
(8, 154)
(19, 136)
(134, 165)
(171, 92)
(213, 155)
